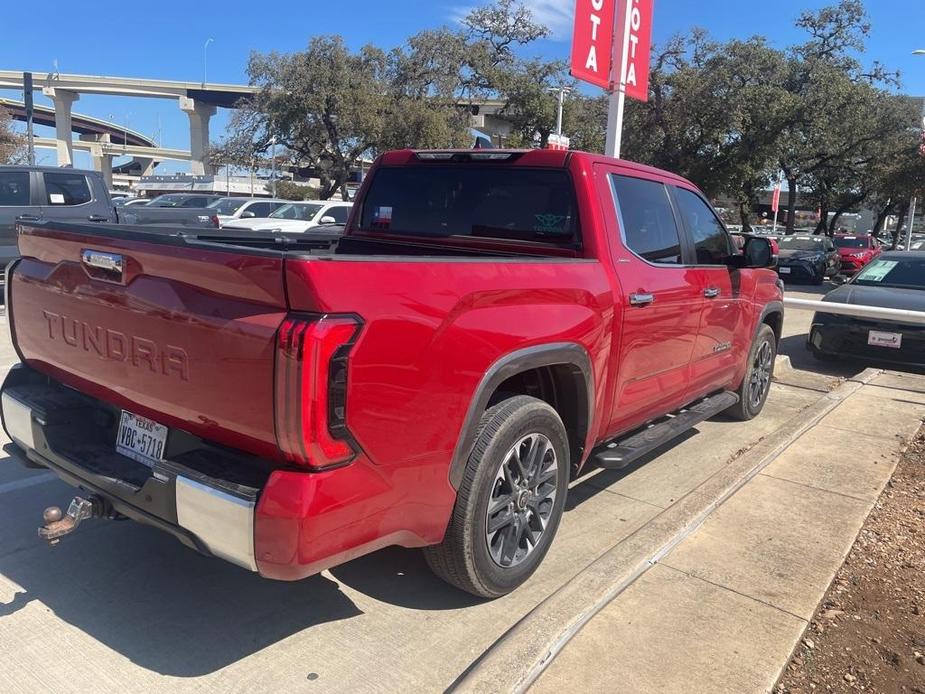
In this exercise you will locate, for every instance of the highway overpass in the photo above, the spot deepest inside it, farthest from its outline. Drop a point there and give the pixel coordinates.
(198, 100)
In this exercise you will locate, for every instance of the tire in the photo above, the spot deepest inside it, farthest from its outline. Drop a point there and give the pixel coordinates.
(760, 370)
(490, 562)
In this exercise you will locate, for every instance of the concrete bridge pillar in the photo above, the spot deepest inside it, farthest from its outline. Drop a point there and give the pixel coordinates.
(199, 116)
(63, 100)
(102, 162)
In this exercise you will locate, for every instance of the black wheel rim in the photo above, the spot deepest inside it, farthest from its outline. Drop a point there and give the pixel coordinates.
(522, 499)
(760, 379)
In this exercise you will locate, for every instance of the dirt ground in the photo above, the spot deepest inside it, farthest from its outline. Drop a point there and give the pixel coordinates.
(869, 632)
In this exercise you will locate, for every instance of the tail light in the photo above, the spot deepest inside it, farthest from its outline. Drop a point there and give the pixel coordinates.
(311, 390)
(215, 221)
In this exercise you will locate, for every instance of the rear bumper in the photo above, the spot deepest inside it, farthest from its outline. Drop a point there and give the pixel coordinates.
(70, 434)
(286, 524)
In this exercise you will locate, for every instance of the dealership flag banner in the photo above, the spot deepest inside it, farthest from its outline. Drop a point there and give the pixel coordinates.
(611, 44)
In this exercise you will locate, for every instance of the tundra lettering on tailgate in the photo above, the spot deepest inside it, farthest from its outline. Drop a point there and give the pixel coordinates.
(116, 346)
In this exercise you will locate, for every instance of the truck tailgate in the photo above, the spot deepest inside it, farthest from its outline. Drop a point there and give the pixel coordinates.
(182, 335)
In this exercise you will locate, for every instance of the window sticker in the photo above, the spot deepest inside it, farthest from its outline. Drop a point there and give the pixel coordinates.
(879, 270)
(551, 224)
(56, 198)
(382, 217)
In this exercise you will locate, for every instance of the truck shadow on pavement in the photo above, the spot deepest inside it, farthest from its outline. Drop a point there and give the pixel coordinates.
(165, 608)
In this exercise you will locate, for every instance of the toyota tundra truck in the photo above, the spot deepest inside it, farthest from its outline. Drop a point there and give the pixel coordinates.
(490, 323)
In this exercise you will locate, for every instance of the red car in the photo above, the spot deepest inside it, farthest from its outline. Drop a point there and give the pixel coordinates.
(489, 323)
(856, 251)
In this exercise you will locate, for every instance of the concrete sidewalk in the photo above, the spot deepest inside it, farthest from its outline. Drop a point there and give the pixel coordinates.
(722, 604)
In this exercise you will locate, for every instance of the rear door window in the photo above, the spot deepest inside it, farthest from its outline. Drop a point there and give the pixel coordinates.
(711, 242)
(14, 189)
(495, 202)
(647, 219)
(66, 189)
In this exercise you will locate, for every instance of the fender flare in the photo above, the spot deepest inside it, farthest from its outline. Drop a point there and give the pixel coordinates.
(553, 354)
(771, 307)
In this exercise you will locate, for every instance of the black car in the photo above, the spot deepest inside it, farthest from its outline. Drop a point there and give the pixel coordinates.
(894, 280)
(808, 258)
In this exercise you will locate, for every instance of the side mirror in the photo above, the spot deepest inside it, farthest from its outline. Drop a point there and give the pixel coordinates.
(758, 252)
(327, 219)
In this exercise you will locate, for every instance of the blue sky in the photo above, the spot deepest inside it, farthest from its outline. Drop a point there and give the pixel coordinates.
(165, 39)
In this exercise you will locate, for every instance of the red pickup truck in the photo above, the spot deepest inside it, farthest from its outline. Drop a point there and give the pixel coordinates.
(489, 323)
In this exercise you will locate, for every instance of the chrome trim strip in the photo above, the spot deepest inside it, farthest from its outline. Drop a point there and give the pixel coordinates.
(223, 522)
(18, 420)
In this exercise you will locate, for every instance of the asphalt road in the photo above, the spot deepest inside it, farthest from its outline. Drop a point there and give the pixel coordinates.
(121, 607)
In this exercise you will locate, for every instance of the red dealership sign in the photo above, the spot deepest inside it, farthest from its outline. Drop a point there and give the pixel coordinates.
(633, 45)
(600, 43)
(592, 42)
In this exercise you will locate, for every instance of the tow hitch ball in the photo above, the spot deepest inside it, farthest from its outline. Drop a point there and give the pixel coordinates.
(58, 524)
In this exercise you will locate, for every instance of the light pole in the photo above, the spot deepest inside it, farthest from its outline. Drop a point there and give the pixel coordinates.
(205, 60)
(273, 166)
(562, 91)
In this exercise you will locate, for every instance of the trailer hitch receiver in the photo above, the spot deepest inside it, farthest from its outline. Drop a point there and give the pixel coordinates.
(58, 524)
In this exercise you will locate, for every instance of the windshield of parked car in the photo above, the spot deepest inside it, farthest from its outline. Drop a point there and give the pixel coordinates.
(227, 205)
(852, 242)
(899, 273)
(168, 201)
(487, 201)
(301, 212)
(802, 243)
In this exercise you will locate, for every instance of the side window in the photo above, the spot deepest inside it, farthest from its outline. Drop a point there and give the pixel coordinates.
(648, 222)
(66, 189)
(340, 214)
(262, 209)
(711, 242)
(14, 188)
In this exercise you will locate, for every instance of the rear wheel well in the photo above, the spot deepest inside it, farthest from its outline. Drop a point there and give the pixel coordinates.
(563, 387)
(775, 320)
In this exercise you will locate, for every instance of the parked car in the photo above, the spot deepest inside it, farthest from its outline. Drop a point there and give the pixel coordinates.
(187, 200)
(135, 201)
(894, 280)
(487, 325)
(810, 258)
(32, 194)
(229, 210)
(298, 217)
(856, 251)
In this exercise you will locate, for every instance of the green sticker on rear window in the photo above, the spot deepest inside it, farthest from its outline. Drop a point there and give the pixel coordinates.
(550, 223)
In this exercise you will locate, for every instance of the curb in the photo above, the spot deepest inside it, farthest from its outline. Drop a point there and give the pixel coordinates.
(517, 659)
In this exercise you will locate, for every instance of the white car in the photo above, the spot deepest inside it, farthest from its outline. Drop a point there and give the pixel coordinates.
(230, 210)
(298, 217)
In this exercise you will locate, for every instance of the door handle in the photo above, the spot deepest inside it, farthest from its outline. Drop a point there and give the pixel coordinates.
(97, 218)
(711, 292)
(27, 218)
(643, 299)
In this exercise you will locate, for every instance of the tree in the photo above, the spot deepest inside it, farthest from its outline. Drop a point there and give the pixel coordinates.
(12, 144)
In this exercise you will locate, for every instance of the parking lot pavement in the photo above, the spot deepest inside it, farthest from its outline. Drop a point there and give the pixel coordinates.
(119, 606)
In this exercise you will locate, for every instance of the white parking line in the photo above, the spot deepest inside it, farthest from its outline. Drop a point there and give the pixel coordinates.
(27, 482)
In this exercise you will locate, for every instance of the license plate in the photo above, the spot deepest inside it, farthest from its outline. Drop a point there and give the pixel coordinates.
(785, 270)
(879, 339)
(141, 439)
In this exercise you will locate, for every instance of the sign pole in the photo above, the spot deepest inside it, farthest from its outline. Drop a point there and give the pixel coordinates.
(775, 202)
(617, 105)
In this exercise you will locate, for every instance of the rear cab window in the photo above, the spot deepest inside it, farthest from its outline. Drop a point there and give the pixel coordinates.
(519, 204)
(67, 189)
